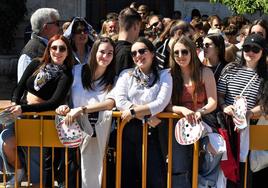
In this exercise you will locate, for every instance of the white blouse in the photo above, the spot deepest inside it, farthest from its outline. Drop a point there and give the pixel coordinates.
(81, 96)
(128, 91)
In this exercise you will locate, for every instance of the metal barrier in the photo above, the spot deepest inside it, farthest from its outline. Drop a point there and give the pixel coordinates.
(163, 115)
(40, 132)
(258, 140)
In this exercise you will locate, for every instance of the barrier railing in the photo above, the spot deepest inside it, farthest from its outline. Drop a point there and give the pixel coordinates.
(258, 140)
(163, 115)
(40, 132)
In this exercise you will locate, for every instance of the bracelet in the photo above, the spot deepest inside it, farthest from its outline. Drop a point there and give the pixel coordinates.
(84, 109)
(132, 112)
(202, 111)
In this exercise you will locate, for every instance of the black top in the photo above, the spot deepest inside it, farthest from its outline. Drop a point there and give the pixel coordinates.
(217, 70)
(122, 56)
(53, 92)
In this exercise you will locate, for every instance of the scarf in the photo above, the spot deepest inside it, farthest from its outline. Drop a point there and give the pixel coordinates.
(143, 79)
(48, 72)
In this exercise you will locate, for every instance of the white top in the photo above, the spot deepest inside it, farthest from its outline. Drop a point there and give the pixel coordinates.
(129, 92)
(81, 96)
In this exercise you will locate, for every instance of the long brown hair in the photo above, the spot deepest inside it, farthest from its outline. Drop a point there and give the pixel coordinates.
(90, 68)
(46, 59)
(195, 67)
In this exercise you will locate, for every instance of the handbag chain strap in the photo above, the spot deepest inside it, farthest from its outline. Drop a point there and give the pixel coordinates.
(248, 84)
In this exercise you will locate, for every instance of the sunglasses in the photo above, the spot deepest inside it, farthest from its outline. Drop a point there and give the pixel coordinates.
(260, 33)
(254, 49)
(207, 45)
(57, 23)
(61, 48)
(80, 31)
(154, 24)
(183, 52)
(140, 51)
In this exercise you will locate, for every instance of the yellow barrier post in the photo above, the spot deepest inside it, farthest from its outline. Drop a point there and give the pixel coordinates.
(66, 167)
(144, 154)
(169, 173)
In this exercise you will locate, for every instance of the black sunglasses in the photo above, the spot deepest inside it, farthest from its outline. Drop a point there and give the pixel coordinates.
(140, 51)
(254, 49)
(260, 33)
(184, 52)
(207, 45)
(80, 31)
(154, 24)
(61, 48)
(57, 23)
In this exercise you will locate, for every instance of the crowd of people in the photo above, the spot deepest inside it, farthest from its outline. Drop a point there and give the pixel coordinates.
(141, 64)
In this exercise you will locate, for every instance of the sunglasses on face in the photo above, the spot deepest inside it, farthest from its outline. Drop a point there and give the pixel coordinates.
(183, 52)
(57, 23)
(140, 51)
(154, 24)
(61, 48)
(253, 49)
(207, 45)
(260, 33)
(80, 31)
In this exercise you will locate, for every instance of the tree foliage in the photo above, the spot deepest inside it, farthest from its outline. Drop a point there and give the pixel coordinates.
(245, 6)
(12, 12)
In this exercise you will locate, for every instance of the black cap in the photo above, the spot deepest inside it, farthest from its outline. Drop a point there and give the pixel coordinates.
(255, 40)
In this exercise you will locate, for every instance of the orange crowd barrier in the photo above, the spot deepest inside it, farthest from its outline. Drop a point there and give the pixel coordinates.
(38, 130)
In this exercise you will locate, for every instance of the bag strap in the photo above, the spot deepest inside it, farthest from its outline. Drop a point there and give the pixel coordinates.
(248, 84)
(163, 47)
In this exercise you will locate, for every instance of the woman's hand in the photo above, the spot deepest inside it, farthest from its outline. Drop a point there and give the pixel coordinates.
(154, 121)
(72, 115)
(63, 110)
(15, 110)
(190, 115)
(229, 110)
(126, 115)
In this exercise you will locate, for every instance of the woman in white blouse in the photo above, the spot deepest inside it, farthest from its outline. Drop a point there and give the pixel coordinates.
(141, 93)
(92, 84)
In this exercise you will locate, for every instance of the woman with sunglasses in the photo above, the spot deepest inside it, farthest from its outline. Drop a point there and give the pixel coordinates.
(243, 79)
(214, 53)
(141, 93)
(81, 36)
(46, 82)
(194, 95)
(89, 95)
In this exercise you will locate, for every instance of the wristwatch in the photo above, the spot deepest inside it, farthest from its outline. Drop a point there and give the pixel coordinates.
(132, 112)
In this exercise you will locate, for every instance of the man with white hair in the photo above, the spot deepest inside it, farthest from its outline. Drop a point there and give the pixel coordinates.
(45, 24)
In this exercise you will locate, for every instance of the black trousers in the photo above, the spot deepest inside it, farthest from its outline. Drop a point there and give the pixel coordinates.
(132, 157)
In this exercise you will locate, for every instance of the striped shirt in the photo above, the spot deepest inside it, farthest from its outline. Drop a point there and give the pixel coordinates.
(234, 79)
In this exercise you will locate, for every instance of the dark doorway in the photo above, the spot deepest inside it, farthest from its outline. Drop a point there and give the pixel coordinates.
(96, 10)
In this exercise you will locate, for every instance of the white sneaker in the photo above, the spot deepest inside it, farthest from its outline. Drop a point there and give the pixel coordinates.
(20, 175)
